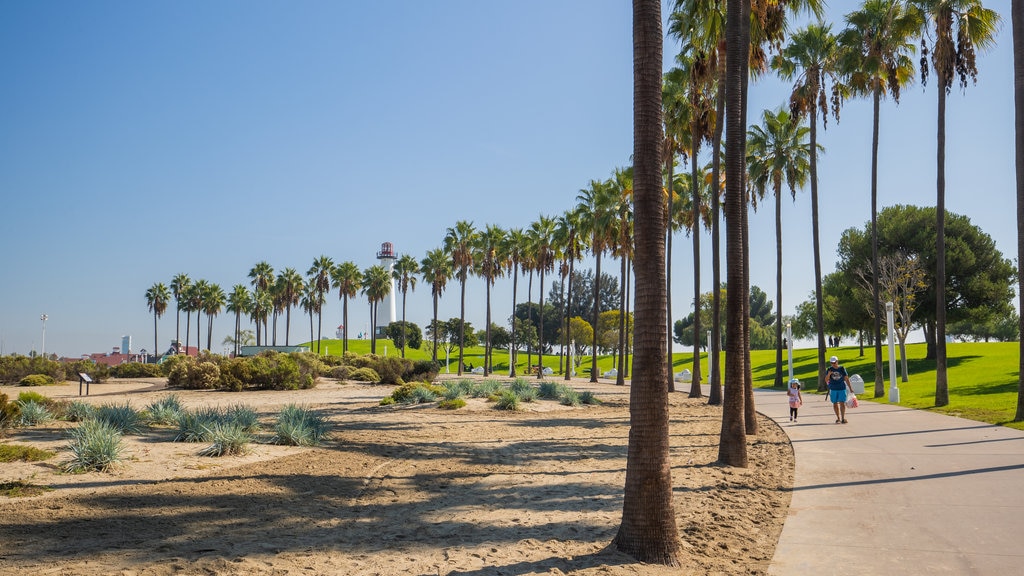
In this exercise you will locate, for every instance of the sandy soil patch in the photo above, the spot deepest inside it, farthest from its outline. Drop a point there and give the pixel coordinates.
(396, 490)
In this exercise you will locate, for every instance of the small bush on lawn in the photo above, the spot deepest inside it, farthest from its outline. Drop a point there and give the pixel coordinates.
(18, 452)
(365, 375)
(77, 411)
(95, 445)
(507, 400)
(451, 404)
(570, 397)
(164, 411)
(228, 437)
(299, 426)
(121, 417)
(32, 413)
(37, 380)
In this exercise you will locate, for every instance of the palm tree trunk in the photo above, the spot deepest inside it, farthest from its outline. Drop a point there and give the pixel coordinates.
(876, 305)
(405, 334)
(597, 313)
(515, 345)
(156, 339)
(1017, 17)
(435, 326)
(462, 319)
(568, 322)
(287, 324)
(344, 328)
(941, 382)
(540, 328)
(715, 346)
(648, 531)
(487, 343)
(818, 306)
(620, 372)
(669, 169)
(695, 391)
(778, 285)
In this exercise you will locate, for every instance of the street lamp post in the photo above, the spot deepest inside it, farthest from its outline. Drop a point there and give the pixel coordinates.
(789, 347)
(894, 391)
(43, 318)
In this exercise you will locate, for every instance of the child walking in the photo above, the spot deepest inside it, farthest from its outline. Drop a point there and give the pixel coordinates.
(795, 399)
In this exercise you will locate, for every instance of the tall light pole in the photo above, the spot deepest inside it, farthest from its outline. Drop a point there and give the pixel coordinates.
(894, 391)
(789, 348)
(43, 318)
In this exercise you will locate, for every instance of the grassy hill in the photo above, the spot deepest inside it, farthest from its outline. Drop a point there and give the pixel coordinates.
(983, 377)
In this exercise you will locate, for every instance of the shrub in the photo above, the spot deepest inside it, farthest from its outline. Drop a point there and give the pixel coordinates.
(37, 380)
(299, 426)
(203, 376)
(457, 388)
(451, 404)
(362, 360)
(136, 370)
(169, 363)
(391, 368)
(14, 367)
(552, 390)
(587, 397)
(244, 416)
(95, 445)
(524, 389)
(78, 411)
(228, 437)
(31, 413)
(340, 372)
(177, 374)
(309, 364)
(421, 371)
(507, 400)
(486, 388)
(365, 375)
(193, 425)
(121, 417)
(164, 411)
(387, 401)
(33, 397)
(9, 412)
(570, 397)
(17, 452)
(417, 393)
(98, 372)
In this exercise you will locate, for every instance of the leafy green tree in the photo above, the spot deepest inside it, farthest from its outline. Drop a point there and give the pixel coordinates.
(580, 298)
(404, 334)
(157, 297)
(580, 335)
(955, 28)
(1001, 329)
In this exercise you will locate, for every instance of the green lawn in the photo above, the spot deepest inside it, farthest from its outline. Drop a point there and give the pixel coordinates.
(982, 376)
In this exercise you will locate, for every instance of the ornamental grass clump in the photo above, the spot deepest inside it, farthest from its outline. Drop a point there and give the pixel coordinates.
(457, 388)
(587, 397)
(228, 437)
(507, 400)
(570, 397)
(164, 411)
(193, 425)
(244, 416)
(524, 389)
(299, 426)
(122, 417)
(95, 445)
(77, 411)
(552, 390)
(32, 413)
(486, 389)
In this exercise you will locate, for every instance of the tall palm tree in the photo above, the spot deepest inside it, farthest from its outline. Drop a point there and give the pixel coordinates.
(239, 302)
(570, 246)
(1017, 17)
(261, 277)
(955, 28)
(199, 296)
(623, 249)
(213, 301)
(290, 286)
(540, 236)
(436, 268)
(404, 272)
(812, 58)
(320, 278)
(596, 205)
(376, 287)
(178, 285)
(187, 305)
(673, 102)
(311, 302)
(648, 531)
(157, 297)
(346, 277)
(458, 243)
(260, 309)
(488, 249)
(513, 249)
(778, 152)
(876, 51)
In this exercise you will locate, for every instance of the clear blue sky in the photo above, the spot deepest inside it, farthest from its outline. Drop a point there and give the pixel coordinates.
(142, 140)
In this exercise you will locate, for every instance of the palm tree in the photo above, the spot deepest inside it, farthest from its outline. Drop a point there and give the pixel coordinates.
(876, 48)
(239, 302)
(436, 268)
(778, 151)
(200, 291)
(812, 57)
(597, 214)
(569, 244)
(404, 272)
(157, 297)
(623, 249)
(346, 277)
(1017, 16)
(488, 250)
(311, 302)
(320, 278)
(514, 249)
(540, 235)
(178, 286)
(259, 310)
(956, 28)
(458, 242)
(648, 530)
(376, 287)
(290, 286)
(213, 302)
(261, 276)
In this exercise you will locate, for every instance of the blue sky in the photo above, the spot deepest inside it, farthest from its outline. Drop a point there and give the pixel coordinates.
(143, 140)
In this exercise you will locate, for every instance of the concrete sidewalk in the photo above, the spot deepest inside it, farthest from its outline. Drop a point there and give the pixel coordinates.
(899, 491)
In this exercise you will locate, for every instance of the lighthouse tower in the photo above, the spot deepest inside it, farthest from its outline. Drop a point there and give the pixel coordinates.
(387, 260)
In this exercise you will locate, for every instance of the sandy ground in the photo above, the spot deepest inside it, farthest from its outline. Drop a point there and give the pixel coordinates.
(395, 490)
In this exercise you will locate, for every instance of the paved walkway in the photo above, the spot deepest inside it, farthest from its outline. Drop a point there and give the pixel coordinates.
(899, 491)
